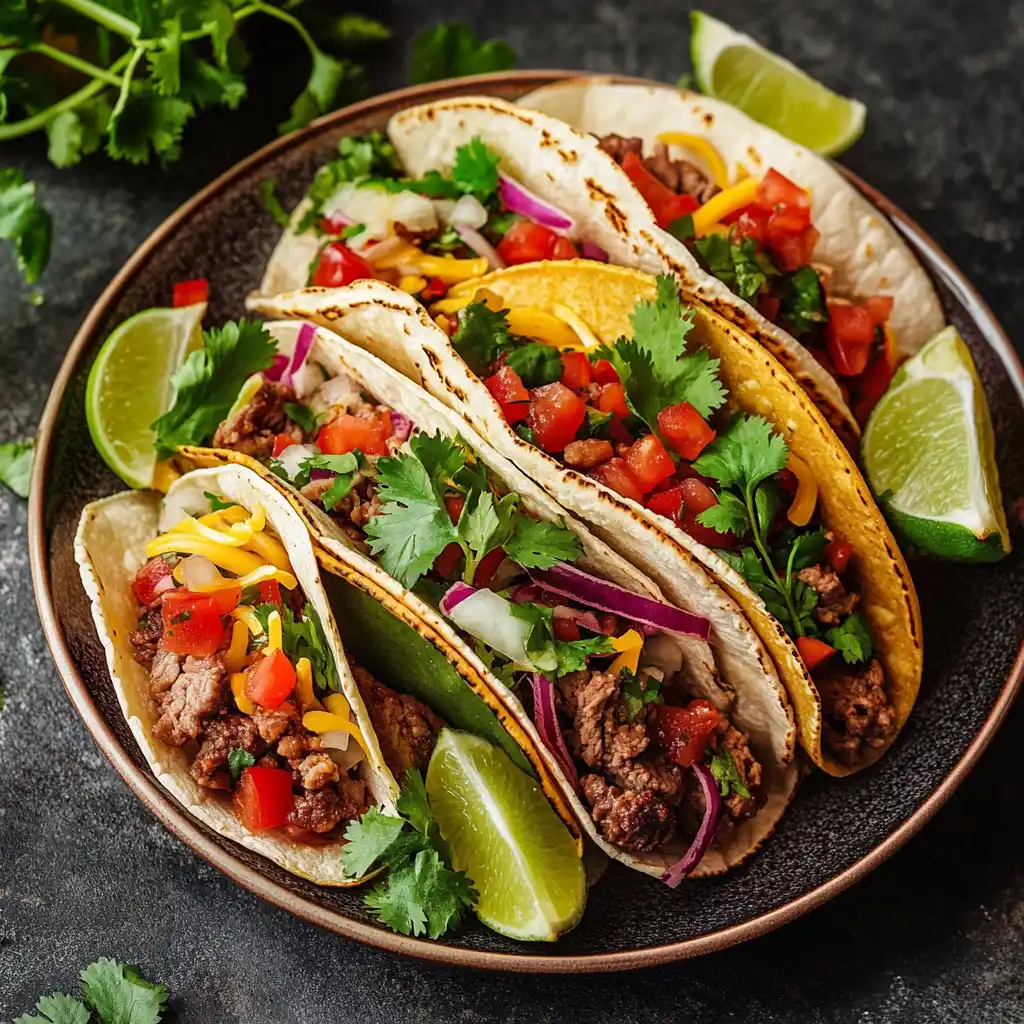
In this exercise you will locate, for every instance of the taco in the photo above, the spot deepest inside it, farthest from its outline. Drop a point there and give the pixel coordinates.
(618, 690)
(639, 431)
(767, 233)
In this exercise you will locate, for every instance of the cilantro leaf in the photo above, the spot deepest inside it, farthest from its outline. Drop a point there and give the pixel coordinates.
(729, 780)
(639, 693)
(414, 805)
(475, 169)
(73, 134)
(299, 414)
(500, 667)
(728, 516)
(451, 49)
(572, 654)
(16, 466)
(217, 504)
(57, 1008)
(325, 77)
(536, 363)
(852, 638)
(208, 382)
(268, 197)
(802, 301)
(24, 223)
(119, 995)
(536, 544)
(304, 638)
(343, 466)
(143, 123)
(481, 336)
(444, 458)
(736, 263)
(238, 761)
(745, 453)
(368, 839)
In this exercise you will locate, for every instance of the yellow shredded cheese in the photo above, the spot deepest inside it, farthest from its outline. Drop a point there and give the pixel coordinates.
(234, 657)
(264, 574)
(583, 332)
(231, 537)
(243, 703)
(629, 646)
(452, 305)
(542, 326)
(324, 721)
(806, 497)
(304, 682)
(271, 549)
(449, 269)
(412, 283)
(721, 205)
(244, 614)
(702, 148)
(273, 631)
(336, 704)
(222, 555)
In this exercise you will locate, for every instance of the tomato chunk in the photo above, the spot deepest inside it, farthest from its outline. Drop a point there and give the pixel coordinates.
(346, 433)
(667, 503)
(270, 592)
(337, 265)
(509, 392)
(613, 399)
(603, 372)
(665, 204)
(270, 680)
(616, 475)
(152, 580)
(527, 242)
(696, 497)
(556, 413)
(879, 307)
(683, 733)
(487, 567)
(281, 442)
(264, 798)
(685, 429)
(875, 381)
(849, 337)
(791, 252)
(454, 503)
(448, 561)
(192, 624)
(563, 249)
(839, 552)
(565, 629)
(649, 463)
(191, 293)
(813, 651)
(776, 190)
(575, 369)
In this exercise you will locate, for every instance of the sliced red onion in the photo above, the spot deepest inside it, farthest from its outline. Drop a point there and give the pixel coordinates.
(546, 720)
(592, 251)
(455, 595)
(277, 367)
(521, 200)
(572, 583)
(303, 343)
(528, 593)
(480, 246)
(588, 620)
(709, 824)
(322, 474)
(401, 426)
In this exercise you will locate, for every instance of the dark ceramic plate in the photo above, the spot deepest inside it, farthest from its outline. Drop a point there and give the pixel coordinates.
(835, 832)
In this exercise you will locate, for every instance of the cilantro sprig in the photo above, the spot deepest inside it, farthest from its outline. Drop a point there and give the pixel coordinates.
(450, 50)
(736, 262)
(421, 893)
(303, 637)
(729, 780)
(23, 221)
(483, 335)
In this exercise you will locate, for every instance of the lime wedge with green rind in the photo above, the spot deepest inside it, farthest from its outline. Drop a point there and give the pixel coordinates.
(130, 386)
(734, 68)
(929, 454)
(505, 835)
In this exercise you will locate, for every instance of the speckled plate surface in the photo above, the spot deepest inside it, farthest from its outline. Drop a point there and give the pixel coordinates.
(835, 832)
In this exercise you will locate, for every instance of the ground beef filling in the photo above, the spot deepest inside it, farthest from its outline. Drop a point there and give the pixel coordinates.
(681, 176)
(254, 428)
(637, 797)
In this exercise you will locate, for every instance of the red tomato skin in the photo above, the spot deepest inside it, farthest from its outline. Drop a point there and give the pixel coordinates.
(563, 249)
(565, 630)
(685, 429)
(616, 475)
(447, 562)
(750, 222)
(487, 567)
(263, 798)
(777, 190)
(191, 293)
(556, 414)
(192, 624)
(506, 386)
(791, 252)
(768, 306)
(281, 442)
(813, 651)
(696, 497)
(603, 372)
(270, 681)
(683, 733)
(849, 337)
(667, 503)
(527, 242)
(346, 433)
(665, 204)
(613, 399)
(649, 463)
(147, 578)
(839, 552)
(575, 370)
(225, 600)
(454, 503)
(879, 307)
(337, 265)
(270, 592)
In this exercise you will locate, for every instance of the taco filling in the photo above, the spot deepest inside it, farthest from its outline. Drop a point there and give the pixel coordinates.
(757, 237)
(425, 234)
(650, 420)
(242, 676)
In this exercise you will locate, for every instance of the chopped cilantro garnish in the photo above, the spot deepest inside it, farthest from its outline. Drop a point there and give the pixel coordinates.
(736, 263)
(802, 301)
(851, 638)
(638, 694)
(726, 775)
(268, 197)
(682, 228)
(299, 414)
(217, 504)
(303, 638)
(238, 761)
(482, 335)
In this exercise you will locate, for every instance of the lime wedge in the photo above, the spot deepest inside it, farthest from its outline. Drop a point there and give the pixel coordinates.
(130, 386)
(733, 67)
(929, 443)
(504, 834)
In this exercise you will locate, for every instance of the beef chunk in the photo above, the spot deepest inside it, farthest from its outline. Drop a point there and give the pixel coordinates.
(165, 670)
(146, 636)
(317, 770)
(679, 175)
(856, 709)
(405, 728)
(737, 745)
(197, 691)
(273, 723)
(617, 146)
(586, 695)
(660, 776)
(587, 454)
(252, 429)
(353, 511)
(834, 603)
(320, 810)
(634, 821)
(222, 735)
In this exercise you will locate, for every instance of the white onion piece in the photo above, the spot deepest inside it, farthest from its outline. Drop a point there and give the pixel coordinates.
(489, 618)
(480, 246)
(468, 212)
(180, 503)
(379, 250)
(294, 455)
(198, 571)
(443, 208)
(337, 393)
(378, 210)
(345, 759)
(307, 379)
(336, 739)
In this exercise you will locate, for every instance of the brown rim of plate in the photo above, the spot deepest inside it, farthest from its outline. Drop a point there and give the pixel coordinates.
(181, 824)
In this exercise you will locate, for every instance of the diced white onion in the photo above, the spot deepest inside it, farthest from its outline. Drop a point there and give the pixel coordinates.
(378, 209)
(337, 393)
(198, 571)
(309, 377)
(294, 455)
(443, 208)
(489, 618)
(335, 740)
(469, 211)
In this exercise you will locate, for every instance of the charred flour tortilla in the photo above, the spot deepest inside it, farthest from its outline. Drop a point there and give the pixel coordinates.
(732, 678)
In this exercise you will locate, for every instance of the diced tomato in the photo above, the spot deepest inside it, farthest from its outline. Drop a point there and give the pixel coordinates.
(875, 381)
(697, 496)
(685, 429)
(487, 567)
(838, 552)
(776, 191)
(556, 413)
(787, 220)
(527, 242)
(563, 249)
(147, 583)
(665, 204)
(192, 624)
(337, 265)
(791, 252)
(270, 592)
(346, 433)
(613, 399)
(454, 503)
(603, 372)
(813, 651)
(787, 480)
(750, 222)
(436, 289)
(575, 369)
(191, 293)
(879, 307)
(768, 306)
(226, 599)
(849, 336)
(649, 463)
(666, 503)
(270, 680)
(281, 442)
(565, 629)
(616, 475)
(333, 225)
(509, 392)
(683, 733)
(264, 798)
(448, 561)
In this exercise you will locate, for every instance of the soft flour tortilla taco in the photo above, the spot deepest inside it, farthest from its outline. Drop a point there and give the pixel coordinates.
(783, 244)
(682, 441)
(672, 765)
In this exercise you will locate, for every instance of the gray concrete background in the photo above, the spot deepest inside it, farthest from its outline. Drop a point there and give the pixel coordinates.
(937, 934)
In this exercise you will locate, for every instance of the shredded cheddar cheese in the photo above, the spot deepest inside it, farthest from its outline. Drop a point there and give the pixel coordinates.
(222, 555)
(234, 657)
(325, 721)
(583, 332)
(703, 149)
(244, 614)
(542, 326)
(304, 683)
(242, 702)
(273, 631)
(412, 283)
(164, 474)
(721, 205)
(336, 704)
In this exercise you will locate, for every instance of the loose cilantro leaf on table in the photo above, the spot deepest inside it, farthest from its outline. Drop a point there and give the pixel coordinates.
(723, 768)
(23, 222)
(16, 466)
(208, 382)
(851, 638)
(57, 1008)
(451, 49)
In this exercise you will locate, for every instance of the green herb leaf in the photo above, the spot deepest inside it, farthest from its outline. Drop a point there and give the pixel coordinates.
(76, 133)
(536, 544)
(268, 197)
(415, 807)
(57, 1008)
(301, 415)
(852, 638)
(572, 654)
(24, 223)
(217, 504)
(16, 466)
(682, 228)
(119, 995)
(146, 123)
(451, 50)
(238, 761)
(728, 516)
(745, 453)
(723, 768)
(736, 263)
(481, 336)
(359, 157)
(536, 363)
(802, 301)
(325, 76)
(475, 169)
(368, 840)
(638, 694)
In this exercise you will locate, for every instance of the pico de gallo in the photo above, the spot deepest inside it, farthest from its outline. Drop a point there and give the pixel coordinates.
(646, 418)
(757, 237)
(428, 233)
(242, 677)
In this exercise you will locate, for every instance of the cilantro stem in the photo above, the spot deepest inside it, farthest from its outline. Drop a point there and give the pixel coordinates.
(105, 16)
(71, 61)
(288, 19)
(784, 589)
(126, 82)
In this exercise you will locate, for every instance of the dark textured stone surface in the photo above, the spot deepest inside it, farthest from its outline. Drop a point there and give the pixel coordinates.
(84, 870)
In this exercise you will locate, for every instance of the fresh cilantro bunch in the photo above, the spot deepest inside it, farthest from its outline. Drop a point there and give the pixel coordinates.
(736, 262)
(414, 524)
(112, 993)
(451, 50)
(421, 894)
